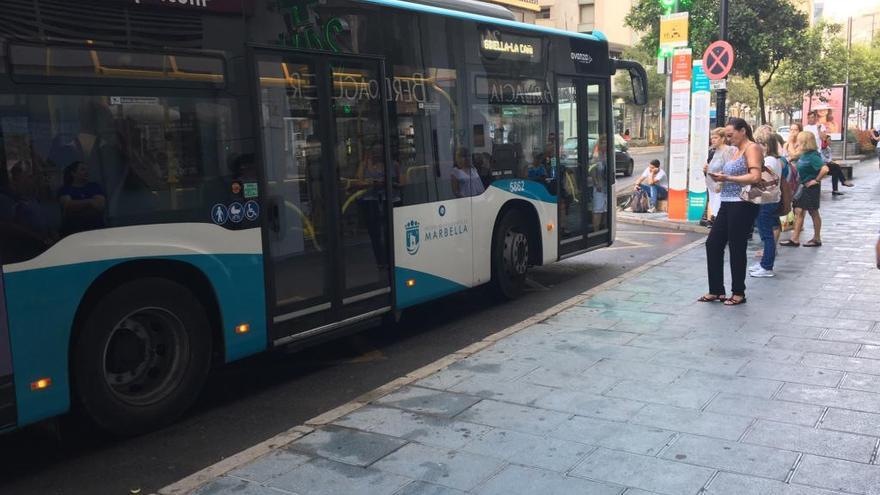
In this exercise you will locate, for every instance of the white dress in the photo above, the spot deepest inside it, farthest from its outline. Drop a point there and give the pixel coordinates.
(715, 166)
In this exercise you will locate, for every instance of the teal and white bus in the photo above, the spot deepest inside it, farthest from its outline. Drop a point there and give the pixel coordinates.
(188, 182)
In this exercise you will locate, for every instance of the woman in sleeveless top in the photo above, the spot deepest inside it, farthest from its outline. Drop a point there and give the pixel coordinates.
(736, 218)
(721, 155)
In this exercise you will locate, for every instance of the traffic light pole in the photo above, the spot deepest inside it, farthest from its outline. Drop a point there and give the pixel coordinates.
(721, 93)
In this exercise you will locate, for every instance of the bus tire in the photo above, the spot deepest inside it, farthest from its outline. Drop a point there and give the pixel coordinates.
(510, 254)
(142, 356)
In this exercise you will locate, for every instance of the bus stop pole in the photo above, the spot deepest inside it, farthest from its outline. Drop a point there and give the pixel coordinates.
(721, 92)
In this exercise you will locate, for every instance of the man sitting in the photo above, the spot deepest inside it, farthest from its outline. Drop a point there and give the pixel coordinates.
(653, 183)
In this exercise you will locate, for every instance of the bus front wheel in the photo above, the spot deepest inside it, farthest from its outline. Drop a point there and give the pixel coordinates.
(510, 254)
(142, 356)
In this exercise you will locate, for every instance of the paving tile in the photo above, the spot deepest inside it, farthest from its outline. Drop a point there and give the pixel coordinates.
(858, 381)
(857, 337)
(589, 382)
(739, 484)
(711, 364)
(585, 404)
(869, 352)
(632, 370)
(814, 345)
(811, 440)
(325, 477)
(852, 421)
(518, 480)
(407, 425)
(614, 435)
(673, 395)
(643, 472)
(513, 417)
(847, 399)
(730, 384)
(503, 369)
(228, 485)
(777, 410)
(731, 456)
(692, 421)
(818, 321)
(422, 488)
(355, 447)
(514, 391)
(423, 400)
(842, 363)
(836, 474)
(791, 373)
(859, 314)
(444, 378)
(459, 470)
(551, 454)
(270, 465)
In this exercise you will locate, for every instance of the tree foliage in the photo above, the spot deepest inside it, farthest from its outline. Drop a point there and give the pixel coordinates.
(763, 33)
(818, 62)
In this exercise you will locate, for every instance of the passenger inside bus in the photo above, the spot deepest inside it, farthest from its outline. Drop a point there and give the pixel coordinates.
(82, 202)
(371, 201)
(465, 178)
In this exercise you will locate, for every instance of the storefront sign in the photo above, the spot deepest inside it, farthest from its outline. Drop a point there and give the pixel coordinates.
(224, 6)
(679, 133)
(699, 142)
(532, 5)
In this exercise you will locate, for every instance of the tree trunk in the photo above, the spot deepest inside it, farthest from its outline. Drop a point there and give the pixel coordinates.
(762, 106)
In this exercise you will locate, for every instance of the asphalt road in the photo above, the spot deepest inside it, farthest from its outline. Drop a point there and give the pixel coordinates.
(250, 401)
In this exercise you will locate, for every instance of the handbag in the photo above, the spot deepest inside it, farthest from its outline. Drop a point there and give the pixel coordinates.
(764, 191)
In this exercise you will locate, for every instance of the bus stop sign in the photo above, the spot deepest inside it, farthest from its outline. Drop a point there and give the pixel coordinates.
(718, 60)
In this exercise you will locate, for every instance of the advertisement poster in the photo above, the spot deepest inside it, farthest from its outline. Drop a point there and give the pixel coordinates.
(700, 103)
(679, 133)
(828, 105)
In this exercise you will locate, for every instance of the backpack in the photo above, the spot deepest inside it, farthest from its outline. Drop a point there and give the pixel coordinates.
(640, 201)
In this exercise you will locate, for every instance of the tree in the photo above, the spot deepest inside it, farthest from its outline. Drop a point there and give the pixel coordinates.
(764, 33)
(819, 62)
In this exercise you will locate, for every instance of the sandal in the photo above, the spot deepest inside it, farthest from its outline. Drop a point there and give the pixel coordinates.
(813, 244)
(790, 243)
(711, 298)
(735, 301)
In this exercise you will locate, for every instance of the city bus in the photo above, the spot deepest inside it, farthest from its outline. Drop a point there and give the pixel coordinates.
(185, 183)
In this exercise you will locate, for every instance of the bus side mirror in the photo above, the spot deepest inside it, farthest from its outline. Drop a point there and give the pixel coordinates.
(638, 78)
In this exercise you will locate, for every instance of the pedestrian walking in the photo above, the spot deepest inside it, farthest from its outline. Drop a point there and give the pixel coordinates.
(719, 154)
(768, 216)
(811, 171)
(736, 217)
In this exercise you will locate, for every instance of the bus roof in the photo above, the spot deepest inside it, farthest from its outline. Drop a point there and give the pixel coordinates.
(594, 36)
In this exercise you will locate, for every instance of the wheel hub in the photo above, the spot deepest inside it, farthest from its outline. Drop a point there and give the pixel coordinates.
(145, 356)
(516, 252)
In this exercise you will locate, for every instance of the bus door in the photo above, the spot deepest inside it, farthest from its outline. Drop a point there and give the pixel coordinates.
(329, 183)
(586, 171)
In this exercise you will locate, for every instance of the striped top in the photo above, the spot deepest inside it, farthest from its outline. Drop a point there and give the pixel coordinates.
(730, 190)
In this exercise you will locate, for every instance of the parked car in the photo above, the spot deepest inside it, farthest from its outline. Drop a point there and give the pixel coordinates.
(783, 131)
(623, 162)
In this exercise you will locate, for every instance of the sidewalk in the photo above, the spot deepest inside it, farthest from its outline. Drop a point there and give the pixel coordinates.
(633, 388)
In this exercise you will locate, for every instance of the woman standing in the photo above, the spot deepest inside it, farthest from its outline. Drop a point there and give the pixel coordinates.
(789, 151)
(768, 219)
(811, 171)
(736, 217)
(720, 154)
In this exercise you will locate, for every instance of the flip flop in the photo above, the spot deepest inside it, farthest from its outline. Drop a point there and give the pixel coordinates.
(790, 243)
(734, 302)
(711, 298)
(813, 244)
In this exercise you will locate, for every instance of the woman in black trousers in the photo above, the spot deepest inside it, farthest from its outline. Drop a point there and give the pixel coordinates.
(736, 217)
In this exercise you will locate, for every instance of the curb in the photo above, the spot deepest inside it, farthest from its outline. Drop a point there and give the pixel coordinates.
(663, 224)
(196, 480)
